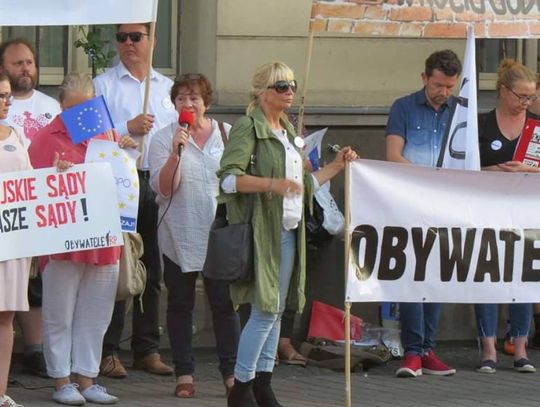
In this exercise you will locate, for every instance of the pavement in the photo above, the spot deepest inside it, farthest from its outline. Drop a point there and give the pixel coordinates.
(317, 387)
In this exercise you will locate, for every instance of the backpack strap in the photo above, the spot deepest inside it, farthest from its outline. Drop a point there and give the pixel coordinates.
(223, 133)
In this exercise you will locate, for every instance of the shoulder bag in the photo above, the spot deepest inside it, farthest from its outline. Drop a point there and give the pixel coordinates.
(229, 254)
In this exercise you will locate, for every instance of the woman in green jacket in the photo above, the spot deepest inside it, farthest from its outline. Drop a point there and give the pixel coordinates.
(279, 186)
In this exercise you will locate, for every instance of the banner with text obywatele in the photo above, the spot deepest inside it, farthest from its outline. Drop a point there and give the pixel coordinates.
(46, 212)
(434, 235)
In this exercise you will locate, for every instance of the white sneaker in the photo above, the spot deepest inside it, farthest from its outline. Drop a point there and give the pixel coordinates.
(6, 401)
(69, 395)
(98, 395)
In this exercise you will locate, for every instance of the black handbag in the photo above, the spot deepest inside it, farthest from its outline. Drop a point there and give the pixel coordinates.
(229, 255)
(317, 236)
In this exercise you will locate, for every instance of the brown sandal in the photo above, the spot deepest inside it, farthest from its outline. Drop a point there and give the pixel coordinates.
(184, 390)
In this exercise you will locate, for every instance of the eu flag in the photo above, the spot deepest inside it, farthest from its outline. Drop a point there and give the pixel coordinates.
(87, 119)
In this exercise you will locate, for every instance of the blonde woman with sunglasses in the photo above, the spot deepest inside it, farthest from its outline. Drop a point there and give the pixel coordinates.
(279, 187)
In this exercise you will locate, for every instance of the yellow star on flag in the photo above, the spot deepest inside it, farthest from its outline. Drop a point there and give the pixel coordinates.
(115, 153)
(121, 205)
(102, 155)
(131, 197)
(136, 184)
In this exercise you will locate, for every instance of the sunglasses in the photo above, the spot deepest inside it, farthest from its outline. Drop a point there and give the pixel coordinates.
(133, 36)
(523, 98)
(283, 86)
(6, 97)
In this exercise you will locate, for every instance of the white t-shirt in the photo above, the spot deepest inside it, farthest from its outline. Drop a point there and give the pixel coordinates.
(28, 116)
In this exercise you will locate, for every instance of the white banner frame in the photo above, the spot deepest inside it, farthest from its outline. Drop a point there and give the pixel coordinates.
(403, 197)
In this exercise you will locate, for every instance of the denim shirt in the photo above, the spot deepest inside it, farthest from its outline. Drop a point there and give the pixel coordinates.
(422, 127)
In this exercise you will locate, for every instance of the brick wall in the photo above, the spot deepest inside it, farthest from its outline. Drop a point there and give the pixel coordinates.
(428, 18)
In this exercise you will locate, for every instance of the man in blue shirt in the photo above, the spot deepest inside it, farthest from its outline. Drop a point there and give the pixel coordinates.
(416, 125)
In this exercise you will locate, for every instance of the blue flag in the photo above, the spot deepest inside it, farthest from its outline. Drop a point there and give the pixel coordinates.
(85, 120)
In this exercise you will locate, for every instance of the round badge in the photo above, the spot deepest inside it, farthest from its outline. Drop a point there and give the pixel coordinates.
(167, 104)
(299, 142)
(10, 148)
(496, 145)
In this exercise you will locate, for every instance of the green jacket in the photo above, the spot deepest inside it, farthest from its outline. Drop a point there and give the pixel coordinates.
(252, 135)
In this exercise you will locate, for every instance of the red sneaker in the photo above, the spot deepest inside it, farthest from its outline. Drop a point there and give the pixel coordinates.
(411, 366)
(431, 364)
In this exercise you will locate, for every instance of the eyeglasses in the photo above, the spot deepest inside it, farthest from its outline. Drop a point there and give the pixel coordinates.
(6, 97)
(283, 86)
(135, 36)
(524, 98)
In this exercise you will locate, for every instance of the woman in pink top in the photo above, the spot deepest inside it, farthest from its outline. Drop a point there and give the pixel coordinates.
(79, 288)
(13, 273)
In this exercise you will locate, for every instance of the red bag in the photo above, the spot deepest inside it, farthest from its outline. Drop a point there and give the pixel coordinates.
(329, 323)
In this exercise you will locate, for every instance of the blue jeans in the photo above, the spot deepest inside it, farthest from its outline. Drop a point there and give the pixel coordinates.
(259, 339)
(180, 302)
(418, 326)
(487, 318)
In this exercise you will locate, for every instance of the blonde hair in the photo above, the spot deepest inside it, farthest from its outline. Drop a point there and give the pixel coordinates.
(509, 72)
(76, 83)
(264, 76)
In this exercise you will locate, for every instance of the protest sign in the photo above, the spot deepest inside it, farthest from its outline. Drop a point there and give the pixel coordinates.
(421, 234)
(124, 170)
(46, 212)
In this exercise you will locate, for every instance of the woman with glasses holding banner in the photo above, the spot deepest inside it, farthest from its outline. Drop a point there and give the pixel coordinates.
(499, 131)
(279, 186)
(183, 159)
(14, 273)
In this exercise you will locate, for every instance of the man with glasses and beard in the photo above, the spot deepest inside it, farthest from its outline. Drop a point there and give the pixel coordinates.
(123, 88)
(30, 111)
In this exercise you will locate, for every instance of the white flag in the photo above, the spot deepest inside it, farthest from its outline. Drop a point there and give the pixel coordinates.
(460, 145)
(76, 12)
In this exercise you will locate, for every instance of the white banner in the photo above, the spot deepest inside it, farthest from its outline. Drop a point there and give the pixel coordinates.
(46, 212)
(460, 145)
(434, 235)
(124, 170)
(76, 12)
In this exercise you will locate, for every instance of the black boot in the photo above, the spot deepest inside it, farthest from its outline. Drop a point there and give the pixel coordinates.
(241, 395)
(263, 390)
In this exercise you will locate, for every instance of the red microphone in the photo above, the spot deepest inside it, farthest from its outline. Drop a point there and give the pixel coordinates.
(185, 120)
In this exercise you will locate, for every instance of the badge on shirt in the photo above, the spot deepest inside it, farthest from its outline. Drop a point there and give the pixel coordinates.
(496, 145)
(10, 148)
(166, 103)
(299, 142)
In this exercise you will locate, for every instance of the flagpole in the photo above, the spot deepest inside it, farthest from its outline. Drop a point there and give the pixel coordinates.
(348, 390)
(147, 82)
(300, 125)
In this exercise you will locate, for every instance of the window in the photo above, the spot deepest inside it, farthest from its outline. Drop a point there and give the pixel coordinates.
(57, 55)
(490, 52)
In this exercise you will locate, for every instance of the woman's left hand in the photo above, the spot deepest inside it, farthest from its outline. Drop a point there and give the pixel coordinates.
(346, 154)
(127, 142)
(61, 165)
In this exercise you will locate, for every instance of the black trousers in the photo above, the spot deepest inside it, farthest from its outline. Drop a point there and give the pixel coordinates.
(145, 337)
(180, 303)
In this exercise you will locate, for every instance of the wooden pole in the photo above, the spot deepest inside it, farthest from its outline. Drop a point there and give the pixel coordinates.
(348, 390)
(147, 81)
(305, 85)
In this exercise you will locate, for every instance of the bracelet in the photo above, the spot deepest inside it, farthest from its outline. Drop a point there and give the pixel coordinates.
(271, 185)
